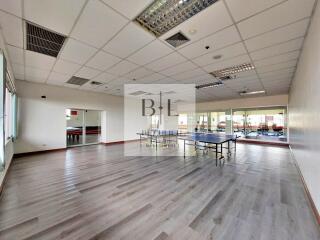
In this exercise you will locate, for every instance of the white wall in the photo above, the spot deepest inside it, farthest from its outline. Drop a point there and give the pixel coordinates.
(42, 122)
(304, 110)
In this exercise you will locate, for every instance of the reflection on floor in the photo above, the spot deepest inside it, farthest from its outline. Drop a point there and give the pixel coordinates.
(94, 192)
(92, 138)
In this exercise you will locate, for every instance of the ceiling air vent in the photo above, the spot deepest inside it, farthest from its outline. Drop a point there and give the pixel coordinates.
(77, 81)
(177, 39)
(43, 41)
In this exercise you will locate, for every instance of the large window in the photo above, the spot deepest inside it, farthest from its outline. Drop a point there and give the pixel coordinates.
(8, 104)
(261, 124)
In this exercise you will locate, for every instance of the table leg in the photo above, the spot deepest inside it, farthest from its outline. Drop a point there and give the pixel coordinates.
(184, 148)
(216, 154)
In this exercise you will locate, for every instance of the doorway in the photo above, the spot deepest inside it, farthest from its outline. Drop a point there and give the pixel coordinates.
(83, 127)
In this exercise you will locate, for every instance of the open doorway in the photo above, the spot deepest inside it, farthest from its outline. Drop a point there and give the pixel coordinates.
(83, 127)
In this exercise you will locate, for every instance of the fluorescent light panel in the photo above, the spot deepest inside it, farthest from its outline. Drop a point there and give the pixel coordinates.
(163, 15)
(210, 85)
(232, 70)
(244, 93)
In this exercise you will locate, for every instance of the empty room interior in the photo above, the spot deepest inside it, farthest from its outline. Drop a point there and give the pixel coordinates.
(160, 119)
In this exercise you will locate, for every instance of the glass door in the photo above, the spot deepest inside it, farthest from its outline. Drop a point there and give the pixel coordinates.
(75, 120)
(83, 127)
(92, 127)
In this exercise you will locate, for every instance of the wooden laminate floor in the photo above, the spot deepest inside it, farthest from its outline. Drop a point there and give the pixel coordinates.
(95, 192)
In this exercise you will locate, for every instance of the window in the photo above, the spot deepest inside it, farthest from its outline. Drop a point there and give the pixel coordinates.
(8, 115)
(8, 108)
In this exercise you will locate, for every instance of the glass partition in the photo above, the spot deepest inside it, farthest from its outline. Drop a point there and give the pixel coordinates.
(201, 122)
(183, 123)
(3, 67)
(218, 121)
(261, 123)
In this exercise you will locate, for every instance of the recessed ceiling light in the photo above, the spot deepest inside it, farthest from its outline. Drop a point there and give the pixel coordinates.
(192, 31)
(216, 57)
(163, 15)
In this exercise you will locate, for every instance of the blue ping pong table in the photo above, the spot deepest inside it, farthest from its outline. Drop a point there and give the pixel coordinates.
(210, 141)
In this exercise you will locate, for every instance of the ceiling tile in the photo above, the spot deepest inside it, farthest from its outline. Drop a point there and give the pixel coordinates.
(210, 20)
(88, 73)
(275, 67)
(277, 81)
(149, 53)
(38, 60)
(120, 81)
(202, 79)
(129, 40)
(278, 59)
(228, 63)
(58, 78)
(36, 75)
(277, 73)
(130, 9)
(11, 6)
(285, 13)
(151, 78)
(66, 67)
(226, 53)
(76, 51)
(19, 76)
(97, 24)
(103, 61)
(104, 77)
(166, 62)
(57, 15)
(138, 73)
(17, 69)
(289, 46)
(15, 54)
(188, 74)
(246, 8)
(216, 41)
(122, 68)
(166, 81)
(277, 36)
(182, 67)
(12, 29)
(71, 85)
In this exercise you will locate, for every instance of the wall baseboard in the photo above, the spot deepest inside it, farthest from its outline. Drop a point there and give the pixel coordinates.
(307, 192)
(120, 142)
(19, 155)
